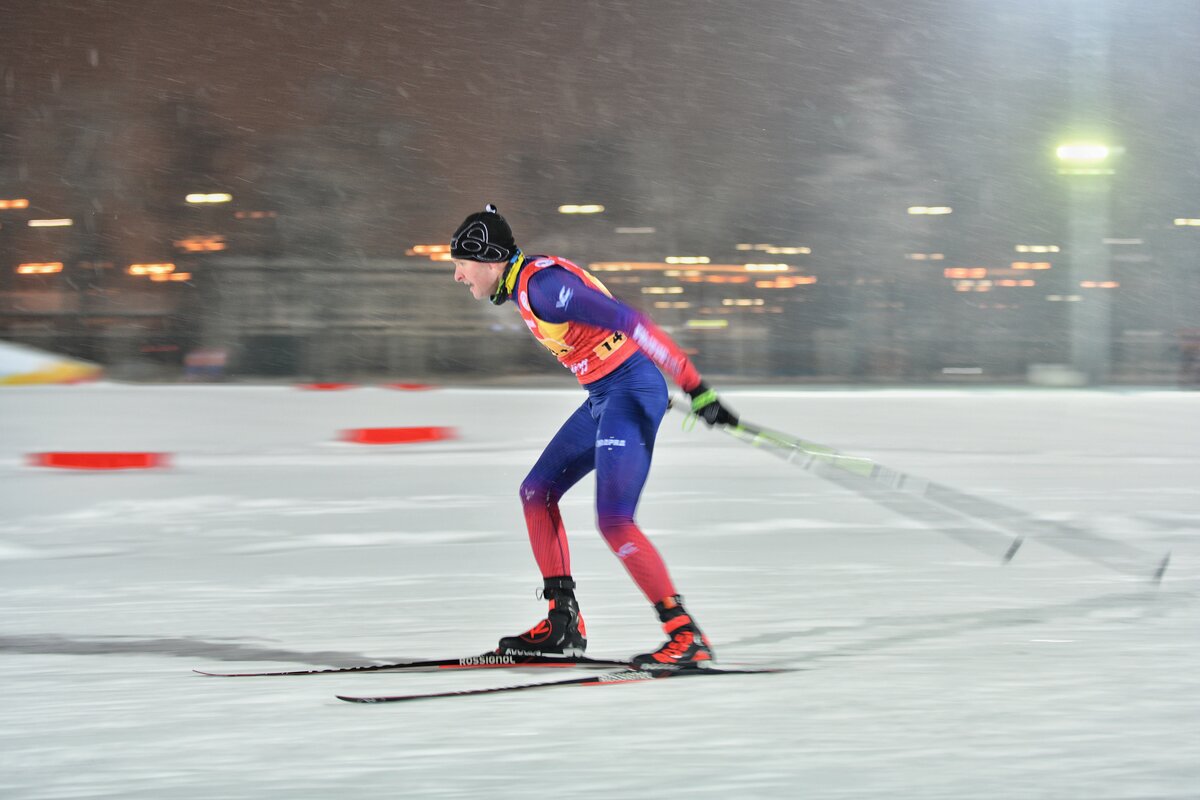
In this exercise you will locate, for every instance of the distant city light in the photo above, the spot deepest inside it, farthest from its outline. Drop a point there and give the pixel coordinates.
(162, 277)
(39, 268)
(1099, 285)
(201, 244)
(1122, 241)
(785, 282)
(14, 204)
(213, 197)
(662, 290)
(50, 223)
(767, 268)
(1183, 222)
(930, 210)
(635, 230)
(707, 323)
(436, 252)
(741, 302)
(693, 270)
(150, 269)
(688, 259)
(672, 304)
(254, 214)
(925, 256)
(788, 251)
(583, 209)
(1037, 248)
(965, 272)
(1031, 265)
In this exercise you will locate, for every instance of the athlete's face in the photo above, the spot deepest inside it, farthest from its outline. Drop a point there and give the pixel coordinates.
(482, 278)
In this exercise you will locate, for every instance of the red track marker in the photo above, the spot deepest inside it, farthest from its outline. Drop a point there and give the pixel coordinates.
(398, 435)
(99, 461)
(410, 387)
(326, 387)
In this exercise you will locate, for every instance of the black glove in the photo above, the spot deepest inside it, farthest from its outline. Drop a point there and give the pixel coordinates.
(708, 407)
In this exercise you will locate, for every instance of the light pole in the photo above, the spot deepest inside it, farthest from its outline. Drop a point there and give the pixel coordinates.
(1086, 164)
(1087, 168)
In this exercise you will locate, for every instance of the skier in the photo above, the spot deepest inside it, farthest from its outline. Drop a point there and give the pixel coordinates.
(612, 349)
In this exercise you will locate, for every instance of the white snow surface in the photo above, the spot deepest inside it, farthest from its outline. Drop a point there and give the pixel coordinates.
(930, 669)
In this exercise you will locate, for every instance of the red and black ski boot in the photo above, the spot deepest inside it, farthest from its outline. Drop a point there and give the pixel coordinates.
(687, 648)
(561, 634)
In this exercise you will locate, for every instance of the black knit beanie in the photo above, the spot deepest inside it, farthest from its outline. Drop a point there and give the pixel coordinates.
(483, 236)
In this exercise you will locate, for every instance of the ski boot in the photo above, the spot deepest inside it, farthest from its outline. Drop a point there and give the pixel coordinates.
(561, 634)
(687, 647)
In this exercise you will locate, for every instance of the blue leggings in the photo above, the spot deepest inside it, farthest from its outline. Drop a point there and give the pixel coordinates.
(612, 433)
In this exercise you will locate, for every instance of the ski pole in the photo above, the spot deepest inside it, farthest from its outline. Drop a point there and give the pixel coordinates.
(936, 503)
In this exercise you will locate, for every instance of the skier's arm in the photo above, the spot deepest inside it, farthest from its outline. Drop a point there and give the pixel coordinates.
(556, 295)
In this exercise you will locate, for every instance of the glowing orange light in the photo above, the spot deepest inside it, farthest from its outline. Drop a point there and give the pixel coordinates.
(151, 269)
(40, 268)
(965, 272)
(201, 244)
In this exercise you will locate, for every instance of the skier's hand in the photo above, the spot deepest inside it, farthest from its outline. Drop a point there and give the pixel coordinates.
(708, 407)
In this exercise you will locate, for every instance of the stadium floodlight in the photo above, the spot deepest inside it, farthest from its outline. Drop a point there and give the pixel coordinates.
(1082, 153)
(1085, 158)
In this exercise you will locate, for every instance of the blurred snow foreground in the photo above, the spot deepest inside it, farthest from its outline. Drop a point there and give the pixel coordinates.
(932, 669)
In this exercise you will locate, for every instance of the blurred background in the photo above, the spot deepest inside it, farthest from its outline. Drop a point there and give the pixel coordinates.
(846, 192)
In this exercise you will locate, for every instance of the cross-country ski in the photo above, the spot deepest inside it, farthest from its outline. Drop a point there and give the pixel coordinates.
(608, 679)
(482, 661)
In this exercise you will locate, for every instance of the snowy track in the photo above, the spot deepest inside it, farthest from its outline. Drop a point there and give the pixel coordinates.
(932, 671)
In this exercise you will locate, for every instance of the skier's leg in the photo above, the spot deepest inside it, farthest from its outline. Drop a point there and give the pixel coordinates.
(569, 456)
(624, 447)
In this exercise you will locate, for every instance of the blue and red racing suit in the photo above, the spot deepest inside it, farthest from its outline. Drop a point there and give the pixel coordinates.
(612, 349)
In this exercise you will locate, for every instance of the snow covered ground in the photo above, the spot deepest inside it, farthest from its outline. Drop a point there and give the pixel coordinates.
(931, 670)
